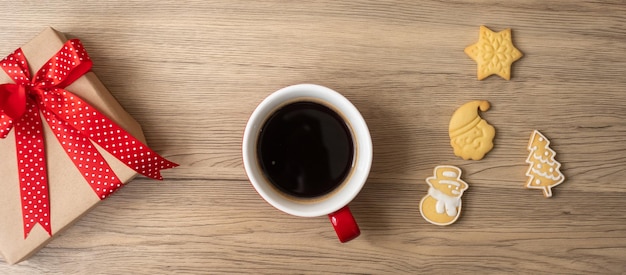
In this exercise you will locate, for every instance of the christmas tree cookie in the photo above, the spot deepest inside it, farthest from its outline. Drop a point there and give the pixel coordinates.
(442, 205)
(543, 172)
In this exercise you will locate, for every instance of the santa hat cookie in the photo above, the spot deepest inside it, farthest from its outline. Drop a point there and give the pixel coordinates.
(470, 135)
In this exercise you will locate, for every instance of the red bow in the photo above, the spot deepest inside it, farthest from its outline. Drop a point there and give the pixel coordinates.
(74, 123)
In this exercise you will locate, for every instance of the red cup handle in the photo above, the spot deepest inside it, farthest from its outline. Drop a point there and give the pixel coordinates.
(344, 224)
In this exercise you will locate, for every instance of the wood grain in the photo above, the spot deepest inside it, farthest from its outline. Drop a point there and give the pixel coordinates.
(192, 72)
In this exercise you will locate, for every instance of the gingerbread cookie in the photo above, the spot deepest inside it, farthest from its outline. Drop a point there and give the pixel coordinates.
(442, 205)
(494, 53)
(543, 172)
(470, 135)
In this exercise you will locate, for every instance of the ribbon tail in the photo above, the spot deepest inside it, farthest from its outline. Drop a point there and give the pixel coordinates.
(89, 162)
(6, 123)
(88, 121)
(131, 151)
(32, 171)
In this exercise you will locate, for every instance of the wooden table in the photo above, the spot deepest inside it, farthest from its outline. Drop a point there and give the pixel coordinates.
(192, 72)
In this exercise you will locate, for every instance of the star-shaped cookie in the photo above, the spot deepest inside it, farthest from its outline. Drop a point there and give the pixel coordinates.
(494, 53)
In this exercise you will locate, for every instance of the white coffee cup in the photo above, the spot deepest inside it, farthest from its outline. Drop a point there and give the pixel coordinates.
(334, 204)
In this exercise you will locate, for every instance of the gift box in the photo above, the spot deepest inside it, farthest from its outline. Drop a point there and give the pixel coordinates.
(67, 143)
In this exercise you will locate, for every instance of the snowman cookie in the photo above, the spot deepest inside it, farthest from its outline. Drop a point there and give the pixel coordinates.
(442, 205)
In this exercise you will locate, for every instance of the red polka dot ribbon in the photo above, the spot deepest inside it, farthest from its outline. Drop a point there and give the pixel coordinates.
(75, 123)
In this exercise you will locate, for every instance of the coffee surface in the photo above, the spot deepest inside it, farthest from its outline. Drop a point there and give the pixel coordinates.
(305, 149)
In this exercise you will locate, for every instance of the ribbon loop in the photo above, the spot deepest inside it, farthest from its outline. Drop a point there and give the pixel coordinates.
(16, 67)
(74, 122)
(70, 63)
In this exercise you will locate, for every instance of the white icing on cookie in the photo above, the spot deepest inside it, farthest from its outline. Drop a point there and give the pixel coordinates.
(444, 202)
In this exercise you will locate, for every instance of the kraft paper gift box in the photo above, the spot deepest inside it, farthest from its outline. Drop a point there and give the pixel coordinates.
(70, 195)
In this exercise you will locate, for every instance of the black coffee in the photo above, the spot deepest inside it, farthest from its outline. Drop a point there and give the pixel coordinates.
(305, 149)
